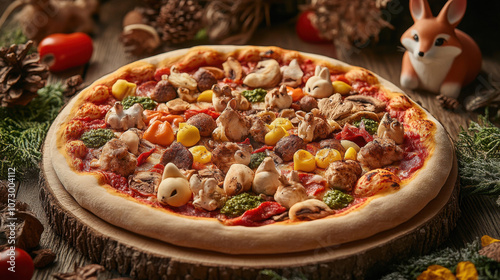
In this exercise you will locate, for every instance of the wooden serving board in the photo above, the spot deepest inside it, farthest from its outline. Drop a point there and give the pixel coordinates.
(146, 258)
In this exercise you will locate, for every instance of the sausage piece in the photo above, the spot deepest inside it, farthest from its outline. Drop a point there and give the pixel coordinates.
(287, 146)
(204, 123)
(205, 79)
(163, 92)
(178, 155)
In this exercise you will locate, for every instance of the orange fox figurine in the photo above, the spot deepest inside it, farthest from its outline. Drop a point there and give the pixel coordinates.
(438, 57)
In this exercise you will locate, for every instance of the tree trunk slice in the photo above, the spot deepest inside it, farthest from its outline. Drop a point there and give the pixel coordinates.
(146, 258)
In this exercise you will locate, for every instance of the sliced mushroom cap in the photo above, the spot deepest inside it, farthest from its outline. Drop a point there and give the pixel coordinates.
(266, 74)
(267, 178)
(366, 103)
(207, 194)
(319, 85)
(177, 105)
(221, 97)
(174, 190)
(132, 140)
(334, 108)
(238, 179)
(290, 191)
(231, 124)
(292, 74)
(310, 209)
(278, 99)
(183, 80)
(392, 129)
(232, 69)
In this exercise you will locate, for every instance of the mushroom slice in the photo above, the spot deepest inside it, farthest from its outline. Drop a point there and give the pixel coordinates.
(310, 209)
(174, 189)
(278, 99)
(292, 74)
(232, 69)
(145, 182)
(392, 129)
(238, 179)
(334, 108)
(266, 74)
(221, 97)
(267, 178)
(187, 95)
(183, 80)
(177, 105)
(290, 191)
(366, 103)
(207, 194)
(357, 117)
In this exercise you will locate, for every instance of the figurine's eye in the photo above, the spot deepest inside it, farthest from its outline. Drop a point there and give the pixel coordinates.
(439, 41)
(415, 37)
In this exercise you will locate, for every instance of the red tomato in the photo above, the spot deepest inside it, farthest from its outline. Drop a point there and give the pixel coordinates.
(17, 260)
(63, 51)
(306, 29)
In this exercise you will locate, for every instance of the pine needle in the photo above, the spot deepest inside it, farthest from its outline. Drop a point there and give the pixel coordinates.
(23, 129)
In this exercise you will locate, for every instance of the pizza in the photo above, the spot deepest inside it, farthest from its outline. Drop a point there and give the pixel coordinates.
(249, 150)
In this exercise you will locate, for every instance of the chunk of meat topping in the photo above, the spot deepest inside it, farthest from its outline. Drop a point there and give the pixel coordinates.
(343, 174)
(230, 153)
(178, 155)
(379, 152)
(287, 146)
(116, 158)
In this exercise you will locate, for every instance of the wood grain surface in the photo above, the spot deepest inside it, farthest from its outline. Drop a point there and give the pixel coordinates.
(479, 215)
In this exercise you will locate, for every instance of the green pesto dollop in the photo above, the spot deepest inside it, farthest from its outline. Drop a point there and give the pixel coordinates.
(146, 102)
(237, 205)
(256, 159)
(336, 199)
(255, 95)
(96, 138)
(370, 125)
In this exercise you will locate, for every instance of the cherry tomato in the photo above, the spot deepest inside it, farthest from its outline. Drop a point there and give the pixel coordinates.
(62, 51)
(306, 30)
(16, 265)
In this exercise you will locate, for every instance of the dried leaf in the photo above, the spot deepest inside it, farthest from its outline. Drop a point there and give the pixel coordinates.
(28, 229)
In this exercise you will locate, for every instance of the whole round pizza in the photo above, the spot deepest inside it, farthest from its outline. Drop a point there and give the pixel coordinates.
(249, 150)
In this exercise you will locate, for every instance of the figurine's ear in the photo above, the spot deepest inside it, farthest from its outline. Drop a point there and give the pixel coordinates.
(453, 12)
(325, 74)
(420, 9)
(317, 70)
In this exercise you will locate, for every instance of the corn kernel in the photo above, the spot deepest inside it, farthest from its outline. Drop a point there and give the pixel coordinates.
(350, 154)
(273, 136)
(304, 161)
(283, 122)
(122, 88)
(206, 96)
(341, 87)
(188, 135)
(326, 156)
(201, 154)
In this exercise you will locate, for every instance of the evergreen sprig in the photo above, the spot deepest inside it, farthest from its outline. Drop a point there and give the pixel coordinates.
(487, 268)
(478, 153)
(23, 129)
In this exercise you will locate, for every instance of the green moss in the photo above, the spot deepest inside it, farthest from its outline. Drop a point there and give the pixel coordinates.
(237, 205)
(336, 199)
(256, 95)
(146, 102)
(96, 138)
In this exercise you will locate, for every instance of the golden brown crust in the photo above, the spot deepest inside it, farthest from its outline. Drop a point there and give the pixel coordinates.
(376, 215)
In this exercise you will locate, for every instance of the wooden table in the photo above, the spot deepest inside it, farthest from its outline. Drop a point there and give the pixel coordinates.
(480, 215)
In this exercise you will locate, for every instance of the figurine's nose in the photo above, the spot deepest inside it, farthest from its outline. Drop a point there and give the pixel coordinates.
(421, 54)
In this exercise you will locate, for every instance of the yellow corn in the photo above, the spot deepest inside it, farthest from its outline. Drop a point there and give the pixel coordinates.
(206, 96)
(304, 161)
(188, 135)
(283, 122)
(122, 88)
(273, 136)
(201, 154)
(350, 154)
(326, 156)
(341, 87)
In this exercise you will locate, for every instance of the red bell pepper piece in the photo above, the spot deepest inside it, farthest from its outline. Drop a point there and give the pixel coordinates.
(257, 216)
(144, 156)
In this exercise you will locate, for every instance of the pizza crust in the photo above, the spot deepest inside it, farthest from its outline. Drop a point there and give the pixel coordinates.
(381, 213)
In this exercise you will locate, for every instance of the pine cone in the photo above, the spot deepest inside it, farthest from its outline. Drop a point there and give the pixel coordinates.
(21, 75)
(447, 102)
(179, 20)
